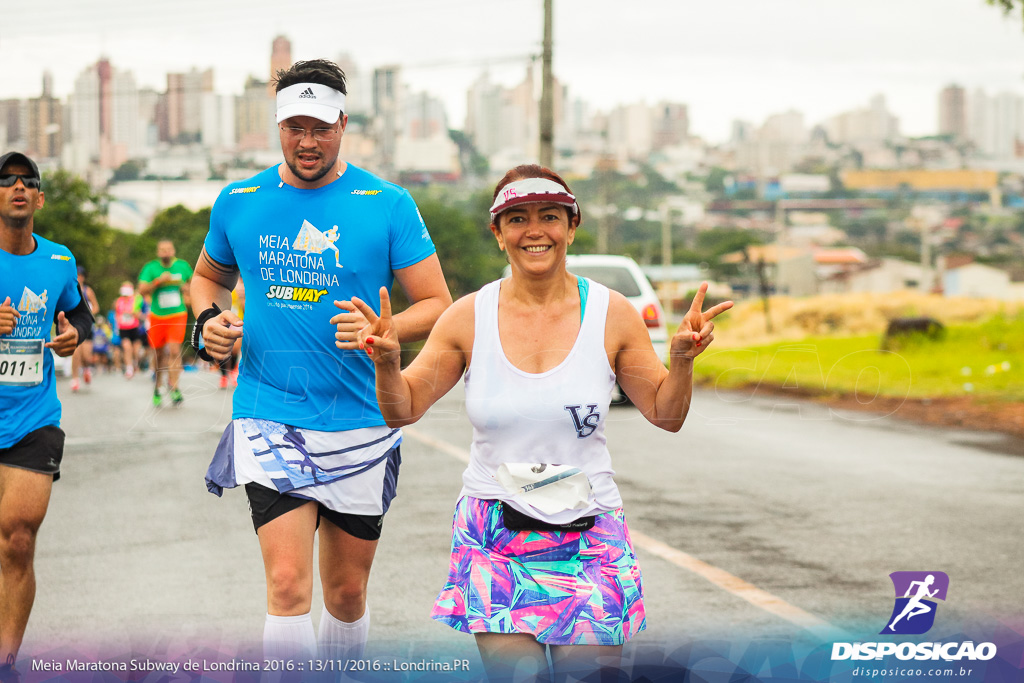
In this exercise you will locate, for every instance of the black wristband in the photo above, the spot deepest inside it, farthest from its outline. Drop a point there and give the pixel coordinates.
(81, 318)
(197, 332)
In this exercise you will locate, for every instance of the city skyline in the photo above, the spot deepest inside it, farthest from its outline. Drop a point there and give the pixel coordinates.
(747, 62)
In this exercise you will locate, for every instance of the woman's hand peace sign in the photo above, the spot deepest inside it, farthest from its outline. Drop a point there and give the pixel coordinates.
(696, 331)
(378, 337)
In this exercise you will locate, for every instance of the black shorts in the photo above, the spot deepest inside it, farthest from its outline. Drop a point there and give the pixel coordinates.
(266, 504)
(39, 451)
(132, 334)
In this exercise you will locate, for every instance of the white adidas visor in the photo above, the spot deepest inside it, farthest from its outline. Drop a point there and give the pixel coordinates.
(310, 99)
(532, 191)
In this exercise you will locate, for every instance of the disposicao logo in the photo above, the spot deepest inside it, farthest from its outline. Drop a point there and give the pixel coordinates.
(916, 593)
(913, 614)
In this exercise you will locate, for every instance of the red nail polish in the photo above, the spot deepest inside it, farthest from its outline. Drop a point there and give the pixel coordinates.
(369, 340)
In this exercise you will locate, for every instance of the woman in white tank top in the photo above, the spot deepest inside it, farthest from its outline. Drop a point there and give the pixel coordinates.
(541, 554)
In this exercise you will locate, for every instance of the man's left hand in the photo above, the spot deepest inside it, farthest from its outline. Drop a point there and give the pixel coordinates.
(66, 341)
(349, 323)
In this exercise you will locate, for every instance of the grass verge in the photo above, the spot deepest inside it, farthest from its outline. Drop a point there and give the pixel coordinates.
(982, 359)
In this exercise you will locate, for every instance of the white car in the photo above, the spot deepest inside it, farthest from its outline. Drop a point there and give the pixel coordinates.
(624, 275)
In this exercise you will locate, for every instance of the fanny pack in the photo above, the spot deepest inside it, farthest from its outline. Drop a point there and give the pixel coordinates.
(550, 489)
(514, 520)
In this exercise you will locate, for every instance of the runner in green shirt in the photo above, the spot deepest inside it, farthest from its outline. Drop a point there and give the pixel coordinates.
(165, 281)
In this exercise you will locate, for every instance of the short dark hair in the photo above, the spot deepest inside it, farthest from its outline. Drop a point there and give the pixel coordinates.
(321, 71)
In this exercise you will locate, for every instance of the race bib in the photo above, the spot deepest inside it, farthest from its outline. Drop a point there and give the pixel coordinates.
(169, 298)
(549, 488)
(21, 362)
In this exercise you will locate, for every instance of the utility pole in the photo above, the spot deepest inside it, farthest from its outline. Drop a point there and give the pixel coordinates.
(547, 100)
(927, 279)
(666, 257)
(602, 171)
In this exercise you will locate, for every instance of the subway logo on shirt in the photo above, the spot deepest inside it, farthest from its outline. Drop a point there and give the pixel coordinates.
(295, 293)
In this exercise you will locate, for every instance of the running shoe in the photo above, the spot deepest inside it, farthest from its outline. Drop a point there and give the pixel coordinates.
(223, 381)
(176, 397)
(74, 384)
(87, 375)
(157, 398)
(129, 372)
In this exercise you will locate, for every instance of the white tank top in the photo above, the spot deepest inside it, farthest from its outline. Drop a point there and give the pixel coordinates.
(555, 417)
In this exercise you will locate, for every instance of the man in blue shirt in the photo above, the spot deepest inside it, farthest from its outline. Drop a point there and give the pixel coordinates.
(38, 289)
(307, 439)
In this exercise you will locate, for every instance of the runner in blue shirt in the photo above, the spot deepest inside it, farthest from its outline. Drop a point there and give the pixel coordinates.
(38, 289)
(307, 440)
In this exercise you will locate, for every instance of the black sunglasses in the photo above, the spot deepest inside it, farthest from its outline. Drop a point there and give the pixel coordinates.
(8, 180)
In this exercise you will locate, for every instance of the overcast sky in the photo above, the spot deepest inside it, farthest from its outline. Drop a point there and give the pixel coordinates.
(726, 59)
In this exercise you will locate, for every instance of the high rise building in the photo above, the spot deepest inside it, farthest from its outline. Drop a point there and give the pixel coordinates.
(151, 108)
(387, 105)
(12, 126)
(218, 122)
(774, 147)
(184, 104)
(630, 131)
(671, 125)
(504, 123)
(483, 112)
(44, 123)
(953, 112)
(255, 122)
(126, 128)
(423, 116)
(872, 125)
(103, 119)
(359, 99)
(996, 124)
(280, 60)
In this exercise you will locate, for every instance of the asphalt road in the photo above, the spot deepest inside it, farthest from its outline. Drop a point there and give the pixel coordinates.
(763, 518)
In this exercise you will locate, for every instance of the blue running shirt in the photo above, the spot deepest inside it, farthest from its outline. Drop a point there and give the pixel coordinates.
(298, 251)
(40, 285)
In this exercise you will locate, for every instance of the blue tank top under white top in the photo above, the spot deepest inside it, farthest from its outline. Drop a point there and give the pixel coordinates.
(553, 417)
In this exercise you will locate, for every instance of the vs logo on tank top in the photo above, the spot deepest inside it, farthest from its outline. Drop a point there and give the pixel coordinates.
(586, 425)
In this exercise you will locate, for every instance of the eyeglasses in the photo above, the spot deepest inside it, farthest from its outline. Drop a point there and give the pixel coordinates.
(8, 180)
(319, 134)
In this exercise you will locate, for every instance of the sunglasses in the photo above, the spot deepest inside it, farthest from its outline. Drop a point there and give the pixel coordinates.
(8, 180)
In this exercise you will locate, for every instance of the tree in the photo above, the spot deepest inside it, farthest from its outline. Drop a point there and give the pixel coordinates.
(715, 182)
(468, 252)
(186, 228)
(1007, 5)
(73, 216)
(129, 170)
(472, 161)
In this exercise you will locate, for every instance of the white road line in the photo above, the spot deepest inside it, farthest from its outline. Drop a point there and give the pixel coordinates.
(718, 577)
(443, 446)
(736, 586)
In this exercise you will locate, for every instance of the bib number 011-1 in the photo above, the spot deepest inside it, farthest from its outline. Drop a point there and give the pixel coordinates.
(21, 362)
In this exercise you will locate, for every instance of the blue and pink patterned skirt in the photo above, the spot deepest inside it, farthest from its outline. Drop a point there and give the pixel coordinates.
(565, 588)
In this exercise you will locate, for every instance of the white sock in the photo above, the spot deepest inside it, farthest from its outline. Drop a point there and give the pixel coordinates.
(289, 638)
(340, 640)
